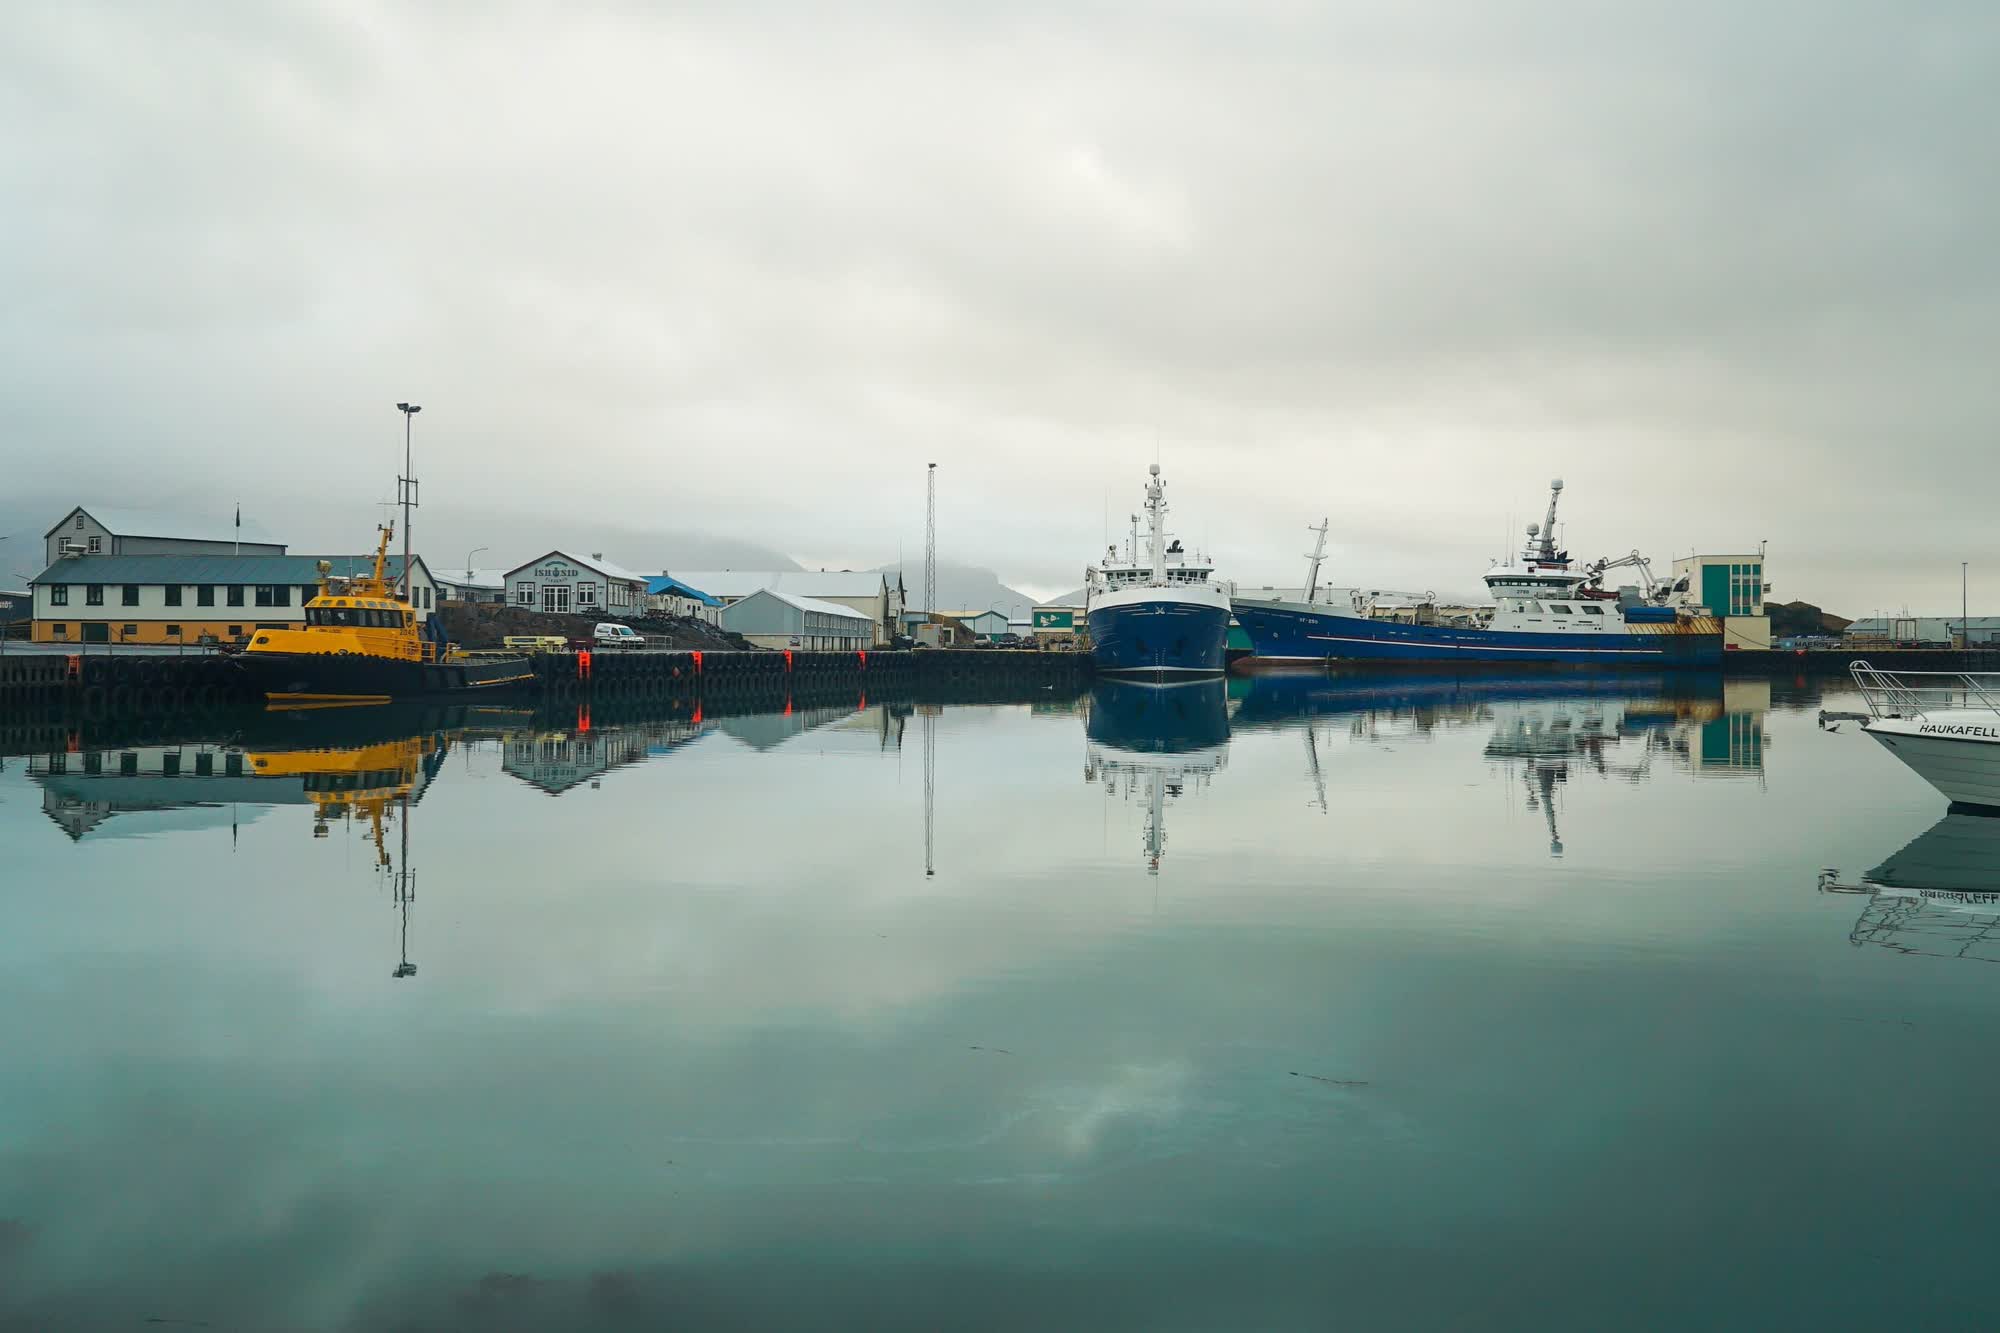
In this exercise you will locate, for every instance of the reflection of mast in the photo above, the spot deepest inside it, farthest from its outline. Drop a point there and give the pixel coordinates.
(405, 893)
(1156, 819)
(1312, 762)
(1543, 778)
(930, 790)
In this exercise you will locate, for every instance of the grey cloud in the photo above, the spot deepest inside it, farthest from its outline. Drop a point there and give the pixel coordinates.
(748, 268)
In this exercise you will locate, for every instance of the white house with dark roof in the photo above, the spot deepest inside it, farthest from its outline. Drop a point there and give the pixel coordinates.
(102, 530)
(567, 584)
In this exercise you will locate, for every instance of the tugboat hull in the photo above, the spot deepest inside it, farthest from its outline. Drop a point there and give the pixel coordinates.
(311, 678)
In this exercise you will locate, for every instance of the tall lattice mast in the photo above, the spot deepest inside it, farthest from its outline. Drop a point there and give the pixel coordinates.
(930, 545)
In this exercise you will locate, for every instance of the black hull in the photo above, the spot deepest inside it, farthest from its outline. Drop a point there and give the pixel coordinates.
(304, 678)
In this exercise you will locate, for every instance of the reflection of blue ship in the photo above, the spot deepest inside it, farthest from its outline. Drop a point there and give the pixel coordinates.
(1159, 719)
(1279, 700)
(1155, 741)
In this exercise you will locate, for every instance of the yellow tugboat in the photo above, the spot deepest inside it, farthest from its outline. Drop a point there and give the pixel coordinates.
(361, 644)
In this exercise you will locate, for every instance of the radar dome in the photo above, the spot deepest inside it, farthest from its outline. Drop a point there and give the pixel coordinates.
(1154, 470)
(1534, 528)
(1556, 485)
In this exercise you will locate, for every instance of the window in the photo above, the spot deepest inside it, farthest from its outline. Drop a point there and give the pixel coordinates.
(96, 545)
(79, 522)
(93, 594)
(232, 764)
(128, 764)
(59, 594)
(129, 595)
(307, 591)
(173, 594)
(205, 595)
(170, 765)
(235, 596)
(131, 630)
(62, 633)
(173, 631)
(235, 631)
(524, 594)
(1560, 609)
(204, 765)
(274, 594)
(586, 594)
(1590, 610)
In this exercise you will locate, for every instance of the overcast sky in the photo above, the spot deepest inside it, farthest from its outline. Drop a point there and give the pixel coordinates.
(1728, 269)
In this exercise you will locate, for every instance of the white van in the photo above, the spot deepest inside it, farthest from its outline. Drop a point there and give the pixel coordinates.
(618, 636)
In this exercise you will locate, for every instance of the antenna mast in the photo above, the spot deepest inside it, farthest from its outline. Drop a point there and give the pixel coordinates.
(930, 544)
(406, 490)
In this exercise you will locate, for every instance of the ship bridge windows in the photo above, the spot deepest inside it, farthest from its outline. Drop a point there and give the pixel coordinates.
(1561, 610)
(1592, 609)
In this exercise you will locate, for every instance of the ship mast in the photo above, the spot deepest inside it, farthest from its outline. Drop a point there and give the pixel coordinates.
(1313, 559)
(1547, 552)
(1156, 515)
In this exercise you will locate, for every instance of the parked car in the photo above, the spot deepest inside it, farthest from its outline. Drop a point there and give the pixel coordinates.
(608, 635)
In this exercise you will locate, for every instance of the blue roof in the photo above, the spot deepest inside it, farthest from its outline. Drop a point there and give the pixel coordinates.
(667, 583)
(161, 569)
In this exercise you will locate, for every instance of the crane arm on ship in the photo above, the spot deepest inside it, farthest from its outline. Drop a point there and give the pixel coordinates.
(1655, 590)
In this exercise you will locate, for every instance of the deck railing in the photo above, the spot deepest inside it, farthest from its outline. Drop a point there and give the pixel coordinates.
(1912, 694)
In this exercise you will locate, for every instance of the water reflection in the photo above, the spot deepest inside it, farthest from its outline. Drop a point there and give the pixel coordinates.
(1151, 743)
(1545, 729)
(1011, 1081)
(1940, 895)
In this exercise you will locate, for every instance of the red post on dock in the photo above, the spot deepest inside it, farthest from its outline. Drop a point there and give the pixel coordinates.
(788, 663)
(697, 661)
(583, 664)
(862, 653)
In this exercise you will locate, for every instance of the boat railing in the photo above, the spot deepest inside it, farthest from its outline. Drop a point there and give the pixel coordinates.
(1912, 694)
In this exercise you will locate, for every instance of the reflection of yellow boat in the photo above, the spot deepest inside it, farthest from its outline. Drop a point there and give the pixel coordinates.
(362, 780)
(369, 781)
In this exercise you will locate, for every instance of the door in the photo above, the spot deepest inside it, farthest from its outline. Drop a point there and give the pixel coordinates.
(96, 631)
(555, 597)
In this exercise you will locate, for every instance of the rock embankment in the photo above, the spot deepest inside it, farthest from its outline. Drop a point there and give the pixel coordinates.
(485, 625)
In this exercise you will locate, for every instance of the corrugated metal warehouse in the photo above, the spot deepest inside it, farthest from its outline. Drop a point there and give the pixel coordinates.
(771, 619)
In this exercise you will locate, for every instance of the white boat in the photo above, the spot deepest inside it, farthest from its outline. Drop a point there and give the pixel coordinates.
(1944, 724)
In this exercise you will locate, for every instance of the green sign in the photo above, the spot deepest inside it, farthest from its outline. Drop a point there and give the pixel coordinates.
(1058, 620)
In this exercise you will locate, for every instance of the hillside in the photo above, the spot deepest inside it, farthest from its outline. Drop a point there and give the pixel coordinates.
(962, 588)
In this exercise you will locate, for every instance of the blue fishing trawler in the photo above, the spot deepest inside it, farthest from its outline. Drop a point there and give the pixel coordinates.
(1162, 617)
(1546, 610)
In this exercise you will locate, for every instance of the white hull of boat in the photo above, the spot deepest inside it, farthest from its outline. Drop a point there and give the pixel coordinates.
(1956, 752)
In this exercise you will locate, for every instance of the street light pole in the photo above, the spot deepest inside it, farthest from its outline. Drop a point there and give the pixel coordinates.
(1964, 604)
(407, 485)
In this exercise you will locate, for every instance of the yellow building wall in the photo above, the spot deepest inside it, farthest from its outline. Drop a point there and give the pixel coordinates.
(153, 631)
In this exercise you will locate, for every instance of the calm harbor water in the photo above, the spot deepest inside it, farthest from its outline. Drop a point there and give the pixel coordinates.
(1285, 1004)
